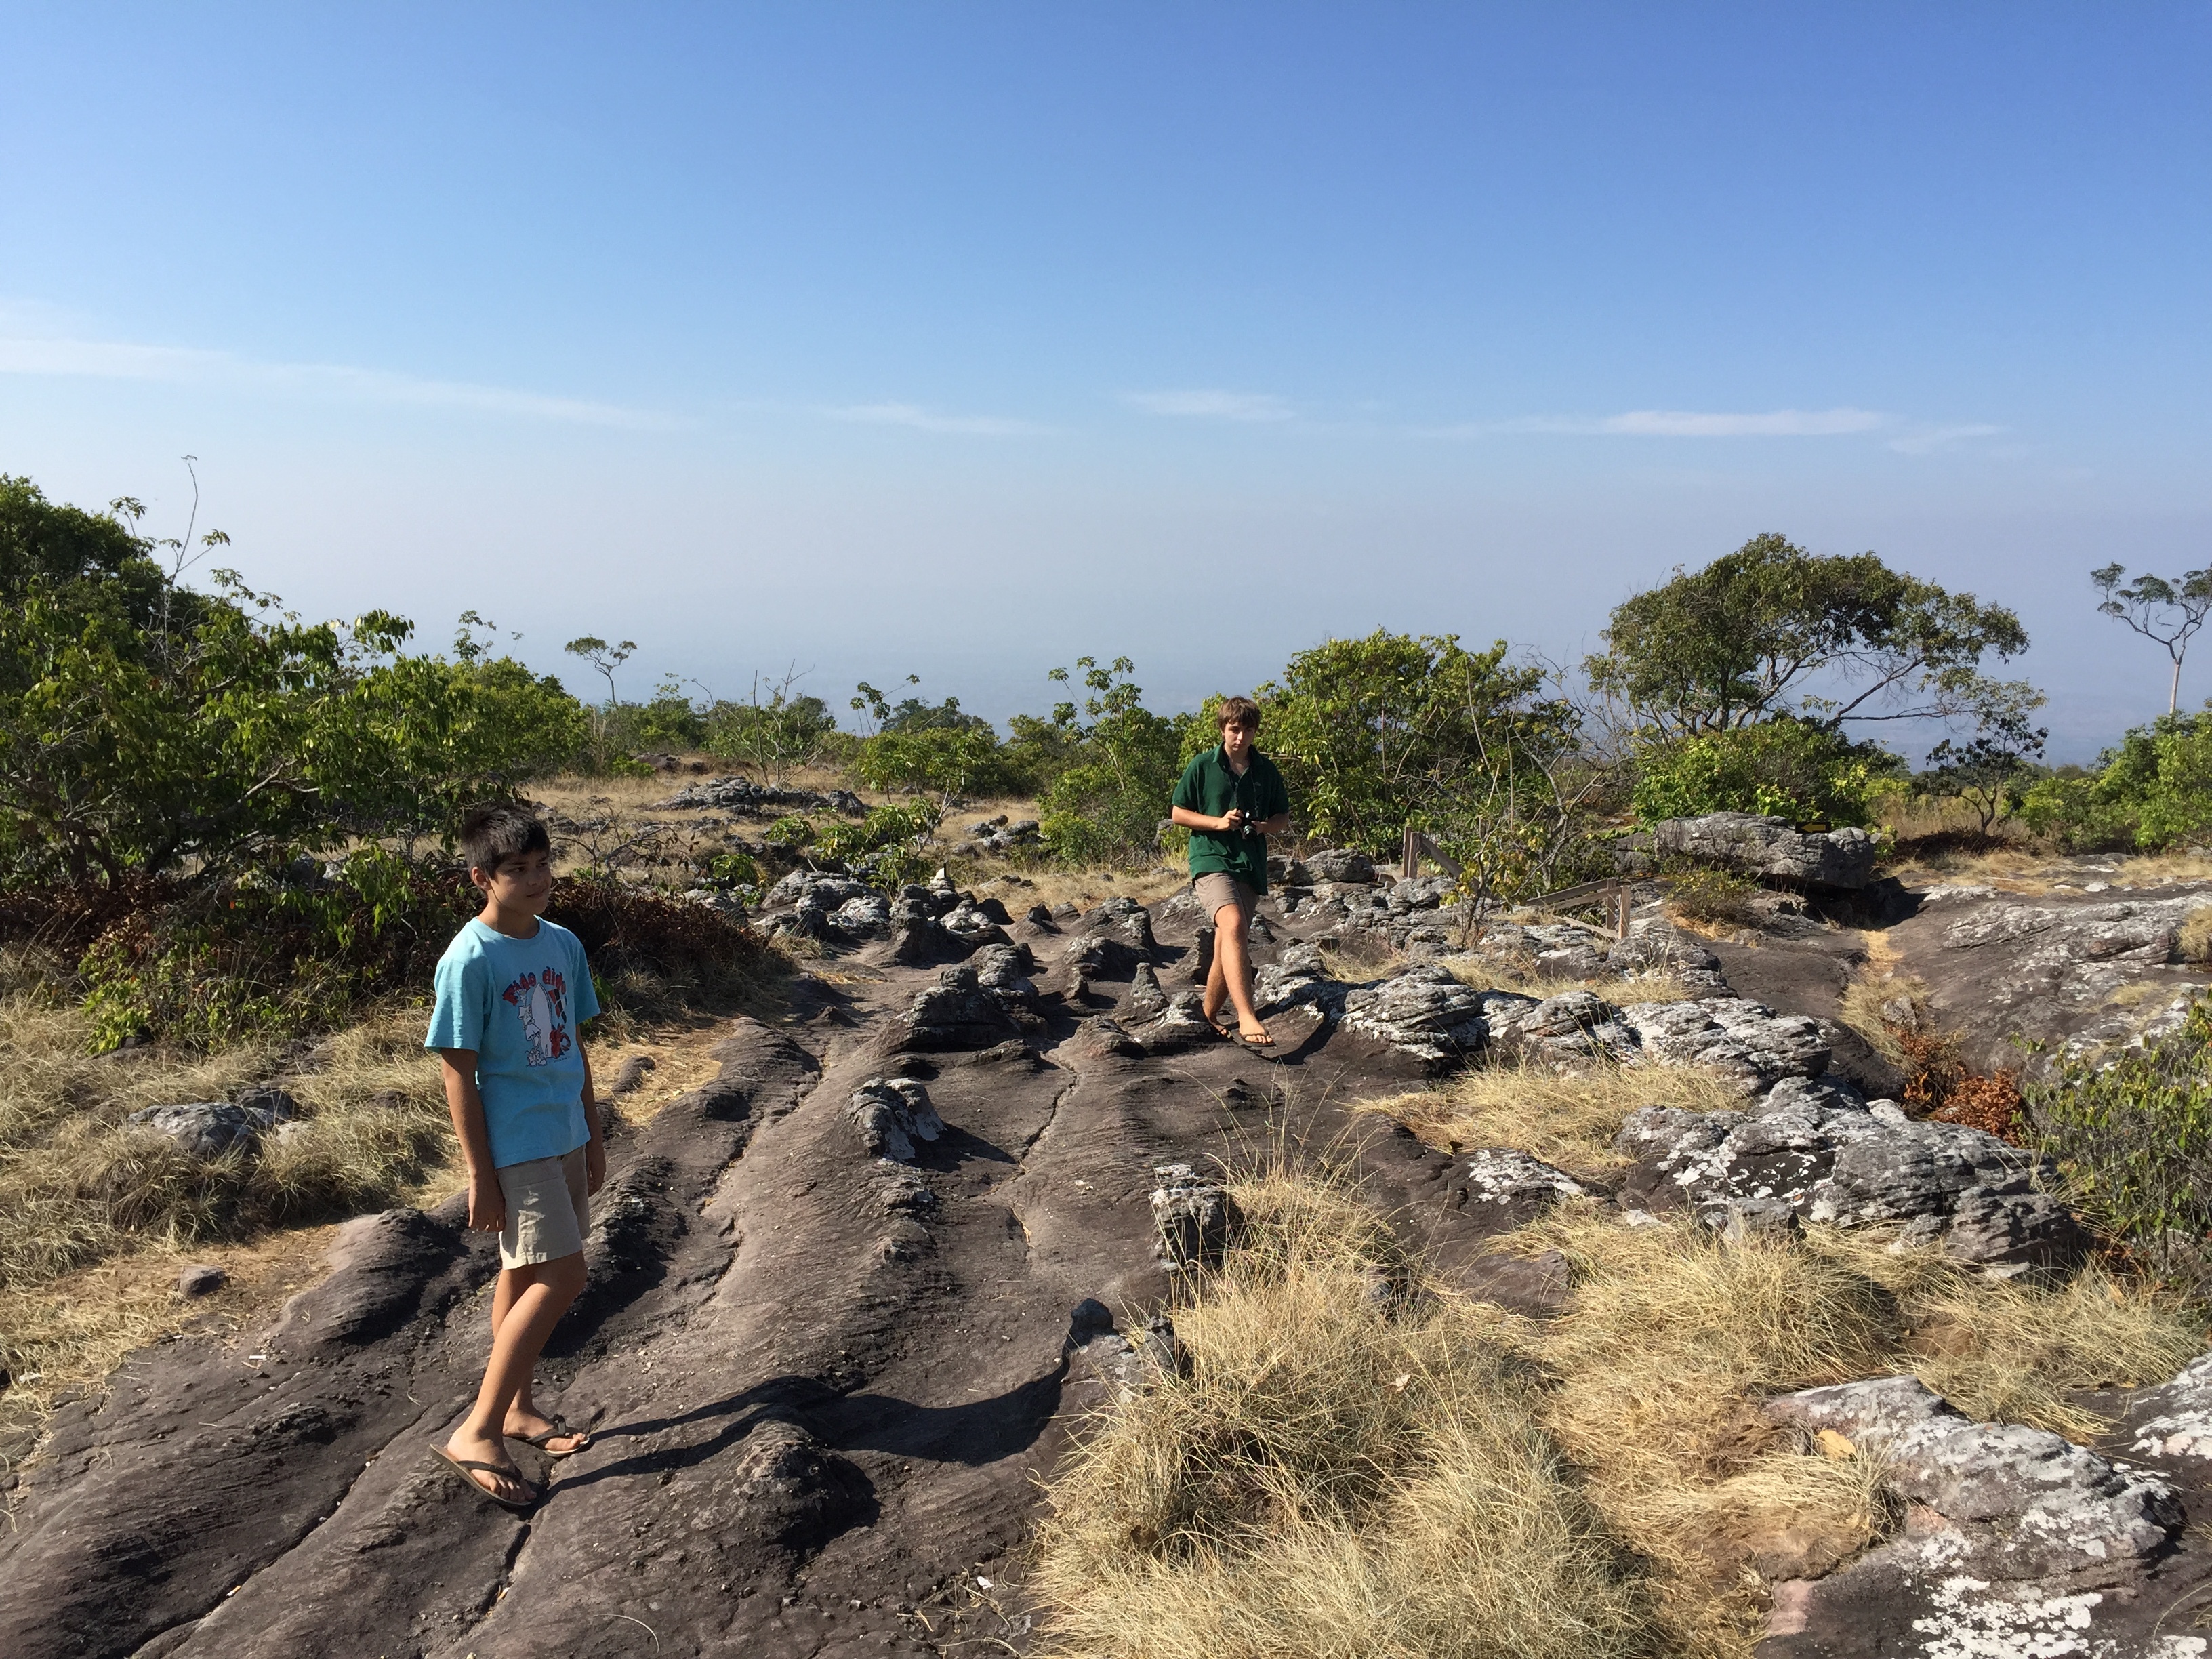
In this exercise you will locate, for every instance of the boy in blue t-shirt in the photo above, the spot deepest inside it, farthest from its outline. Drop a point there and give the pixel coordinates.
(513, 992)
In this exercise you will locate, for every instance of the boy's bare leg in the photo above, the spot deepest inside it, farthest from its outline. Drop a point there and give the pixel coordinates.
(541, 1293)
(524, 1419)
(1232, 972)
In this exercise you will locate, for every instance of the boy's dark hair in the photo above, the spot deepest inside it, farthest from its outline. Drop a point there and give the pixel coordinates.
(490, 835)
(1243, 710)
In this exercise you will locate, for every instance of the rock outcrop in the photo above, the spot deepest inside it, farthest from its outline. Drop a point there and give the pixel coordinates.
(1768, 847)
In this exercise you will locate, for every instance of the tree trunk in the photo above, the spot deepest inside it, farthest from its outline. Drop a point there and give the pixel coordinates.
(2173, 696)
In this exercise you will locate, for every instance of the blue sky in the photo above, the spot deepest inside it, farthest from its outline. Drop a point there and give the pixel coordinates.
(960, 340)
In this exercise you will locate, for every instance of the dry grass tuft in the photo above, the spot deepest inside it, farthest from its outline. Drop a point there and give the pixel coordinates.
(1342, 1474)
(2194, 936)
(1566, 1118)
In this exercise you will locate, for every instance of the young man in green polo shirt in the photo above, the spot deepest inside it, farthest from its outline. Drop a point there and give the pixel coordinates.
(1231, 799)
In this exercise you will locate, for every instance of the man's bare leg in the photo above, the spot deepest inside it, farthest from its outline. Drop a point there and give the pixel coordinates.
(1231, 978)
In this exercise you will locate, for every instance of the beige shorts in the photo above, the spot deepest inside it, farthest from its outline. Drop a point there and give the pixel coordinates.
(1216, 889)
(549, 1210)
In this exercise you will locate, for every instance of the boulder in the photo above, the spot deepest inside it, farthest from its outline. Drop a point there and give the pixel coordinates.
(210, 1128)
(2174, 1419)
(1753, 845)
(1852, 1167)
(891, 1114)
(1338, 864)
(1423, 1013)
(1574, 1025)
(1194, 1219)
(1003, 970)
(958, 1013)
(1747, 1040)
(1123, 920)
(1180, 1024)
(2009, 1502)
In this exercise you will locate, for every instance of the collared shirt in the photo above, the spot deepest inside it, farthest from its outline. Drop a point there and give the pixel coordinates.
(1210, 785)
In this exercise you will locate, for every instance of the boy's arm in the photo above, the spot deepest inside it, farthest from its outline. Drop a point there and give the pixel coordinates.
(487, 1202)
(1190, 820)
(595, 1149)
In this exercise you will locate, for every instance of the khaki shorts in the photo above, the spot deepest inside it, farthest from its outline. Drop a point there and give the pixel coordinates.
(549, 1210)
(1217, 889)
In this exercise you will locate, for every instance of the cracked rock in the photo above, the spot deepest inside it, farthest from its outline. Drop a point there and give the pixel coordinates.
(1338, 864)
(1575, 1025)
(1757, 846)
(1746, 1040)
(1516, 1182)
(1195, 1219)
(1423, 1013)
(1181, 1023)
(2017, 1502)
(958, 1012)
(1857, 1168)
(891, 1114)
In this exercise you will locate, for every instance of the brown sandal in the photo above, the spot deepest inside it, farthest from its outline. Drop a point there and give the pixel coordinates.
(560, 1430)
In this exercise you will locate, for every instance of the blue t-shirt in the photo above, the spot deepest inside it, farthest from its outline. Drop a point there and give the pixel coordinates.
(517, 1002)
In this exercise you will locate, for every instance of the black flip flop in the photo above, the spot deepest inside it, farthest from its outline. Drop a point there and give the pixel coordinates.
(461, 1465)
(560, 1430)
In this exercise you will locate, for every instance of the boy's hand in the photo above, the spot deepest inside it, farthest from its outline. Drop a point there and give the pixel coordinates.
(595, 1164)
(1233, 817)
(486, 1203)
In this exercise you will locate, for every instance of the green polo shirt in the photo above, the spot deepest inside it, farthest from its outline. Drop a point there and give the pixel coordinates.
(1209, 786)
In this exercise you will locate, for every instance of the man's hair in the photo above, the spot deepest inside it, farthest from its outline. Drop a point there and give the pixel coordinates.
(1241, 709)
(491, 835)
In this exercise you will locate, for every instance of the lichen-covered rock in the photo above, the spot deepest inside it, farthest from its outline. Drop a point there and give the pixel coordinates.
(1573, 1025)
(2174, 1420)
(1757, 846)
(958, 1013)
(1195, 1219)
(1745, 1039)
(890, 1114)
(868, 916)
(1515, 1181)
(210, 1128)
(1004, 970)
(1423, 1013)
(1338, 864)
(2014, 1502)
(1146, 999)
(1178, 1025)
(1948, 1184)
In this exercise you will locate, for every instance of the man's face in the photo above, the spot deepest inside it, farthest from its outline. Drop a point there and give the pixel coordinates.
(522, 883)
(1236, 736)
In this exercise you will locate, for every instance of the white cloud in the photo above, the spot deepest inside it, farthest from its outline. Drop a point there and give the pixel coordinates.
(1684, 423)
(119, 360)
(1212, 404)
(923, 420)
(1924, 441)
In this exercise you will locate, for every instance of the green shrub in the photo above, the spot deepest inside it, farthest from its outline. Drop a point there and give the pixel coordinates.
(2133, 1136)
(2068, 807)
(886, 848)
(276, 954)
(1785, 767)
(2152, 790)
(1107, 803)
(945, 761)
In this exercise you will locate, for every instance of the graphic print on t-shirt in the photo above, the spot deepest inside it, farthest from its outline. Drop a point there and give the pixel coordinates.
(542, 1000)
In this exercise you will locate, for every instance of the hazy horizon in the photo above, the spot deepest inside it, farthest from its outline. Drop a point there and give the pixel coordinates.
(964, 340)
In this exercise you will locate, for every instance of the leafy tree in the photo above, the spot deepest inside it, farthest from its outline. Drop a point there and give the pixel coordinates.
(945, 761)
(1785, 767)
(603, 657)
(1770, 630)
(2167, 613)
(1987, 772)
(151, 734)
(1370, 734)
(776, 731)
(1107, 803)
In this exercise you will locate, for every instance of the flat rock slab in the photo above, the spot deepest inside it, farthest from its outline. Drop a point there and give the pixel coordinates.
(2063, 968)
(825, 1366)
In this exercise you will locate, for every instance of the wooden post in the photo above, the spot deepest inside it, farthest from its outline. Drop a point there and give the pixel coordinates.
(1412, 867)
